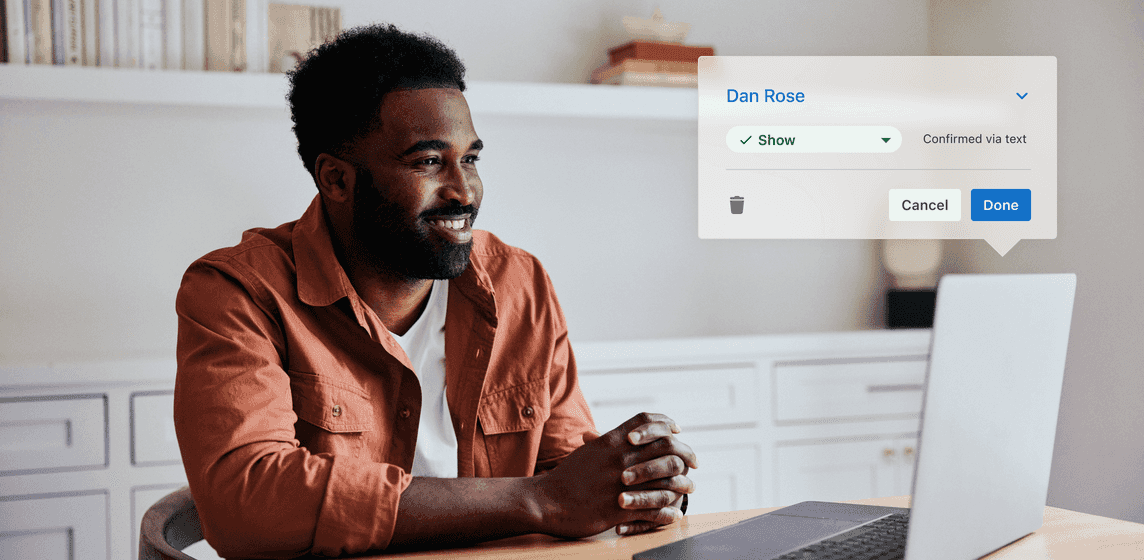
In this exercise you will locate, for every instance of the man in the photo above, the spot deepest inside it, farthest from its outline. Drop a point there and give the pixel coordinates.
(378, 373)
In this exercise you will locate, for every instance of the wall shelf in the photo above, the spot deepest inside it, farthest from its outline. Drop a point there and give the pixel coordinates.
(220, 89)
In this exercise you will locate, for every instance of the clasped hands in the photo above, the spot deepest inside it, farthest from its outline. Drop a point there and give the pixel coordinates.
(632, 478)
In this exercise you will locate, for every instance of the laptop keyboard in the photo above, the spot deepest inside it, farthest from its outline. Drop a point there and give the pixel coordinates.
(884, 539)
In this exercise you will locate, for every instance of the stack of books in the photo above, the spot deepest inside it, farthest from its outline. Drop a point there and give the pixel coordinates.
(652, 63)
(222, 35)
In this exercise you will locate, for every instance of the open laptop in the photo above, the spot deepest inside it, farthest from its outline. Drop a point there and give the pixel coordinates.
(989, 419)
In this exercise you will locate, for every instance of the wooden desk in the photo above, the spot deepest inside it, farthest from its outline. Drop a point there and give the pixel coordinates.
(1065, 535)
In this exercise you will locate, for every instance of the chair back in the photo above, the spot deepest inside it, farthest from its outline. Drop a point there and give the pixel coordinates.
(169, 526)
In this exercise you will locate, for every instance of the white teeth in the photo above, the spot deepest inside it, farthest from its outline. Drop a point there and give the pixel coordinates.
(450, 224)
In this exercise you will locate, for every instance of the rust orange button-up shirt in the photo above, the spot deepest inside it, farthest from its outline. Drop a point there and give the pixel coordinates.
(297, 412)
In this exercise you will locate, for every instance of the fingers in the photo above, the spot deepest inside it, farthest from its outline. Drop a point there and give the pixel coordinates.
(680, 484)
(649, 519)
(651, 431)
(635, 527)
(663, 459)
(644, 418)
(648, 499)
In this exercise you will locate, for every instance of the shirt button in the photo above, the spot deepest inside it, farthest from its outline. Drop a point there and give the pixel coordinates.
(337, 410)
(405, 413)
(527, 412)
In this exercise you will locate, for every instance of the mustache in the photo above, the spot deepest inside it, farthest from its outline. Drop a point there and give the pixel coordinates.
(451, 210)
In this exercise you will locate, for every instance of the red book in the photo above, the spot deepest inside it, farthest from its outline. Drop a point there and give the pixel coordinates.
(650, 50)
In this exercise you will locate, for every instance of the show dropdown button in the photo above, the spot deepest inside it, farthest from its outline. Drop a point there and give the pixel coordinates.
(813, 139)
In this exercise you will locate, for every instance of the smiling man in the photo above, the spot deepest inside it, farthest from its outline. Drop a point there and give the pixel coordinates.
(377, 373)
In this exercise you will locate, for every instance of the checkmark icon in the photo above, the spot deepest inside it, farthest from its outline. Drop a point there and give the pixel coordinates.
(747, 140)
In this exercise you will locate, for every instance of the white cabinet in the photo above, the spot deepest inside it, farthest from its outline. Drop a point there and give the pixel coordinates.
(695, 396)
(774, 420)
(65, 432)
(85, 449)
(153, 440)
(818, 390)
(844, 470)
(54, 526)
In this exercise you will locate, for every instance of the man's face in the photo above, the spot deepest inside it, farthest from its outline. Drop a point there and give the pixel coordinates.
(417, 191)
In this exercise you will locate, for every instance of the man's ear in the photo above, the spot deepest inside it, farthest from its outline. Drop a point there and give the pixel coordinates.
(335, 177)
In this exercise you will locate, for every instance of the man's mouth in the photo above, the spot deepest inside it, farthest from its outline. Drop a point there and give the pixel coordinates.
(455, 228)
(455, 224)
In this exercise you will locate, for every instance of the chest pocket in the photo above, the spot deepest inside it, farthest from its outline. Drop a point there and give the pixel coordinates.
(334, 408)
(518, 409)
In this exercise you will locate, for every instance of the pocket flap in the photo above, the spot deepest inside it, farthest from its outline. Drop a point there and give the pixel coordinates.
(331, 407)
(518, 409)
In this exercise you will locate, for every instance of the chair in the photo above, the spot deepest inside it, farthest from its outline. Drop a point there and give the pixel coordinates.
(169, 526)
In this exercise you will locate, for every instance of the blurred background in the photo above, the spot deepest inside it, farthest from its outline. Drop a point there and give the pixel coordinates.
(105, 204)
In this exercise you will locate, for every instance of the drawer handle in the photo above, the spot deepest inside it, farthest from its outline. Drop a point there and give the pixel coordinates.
(624, 402)
(895, 387)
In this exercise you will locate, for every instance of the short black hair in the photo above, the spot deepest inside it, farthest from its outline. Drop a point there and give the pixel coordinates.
(336, 91)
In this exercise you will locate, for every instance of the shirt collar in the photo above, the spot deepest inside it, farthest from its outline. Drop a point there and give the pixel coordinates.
(321, 278)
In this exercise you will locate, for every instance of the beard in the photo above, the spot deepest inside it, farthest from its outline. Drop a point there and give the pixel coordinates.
(401, 244)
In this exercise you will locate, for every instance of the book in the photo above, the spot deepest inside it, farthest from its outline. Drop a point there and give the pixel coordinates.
(4, 32)
(172, 34)
(668, 79)
(238, 35)
(257, 58)
(107, 38)
(151, 40)
(194, 35)
(295, 30)
(651, 50)
(90, 26)
(72, 37)
(603, 74)
(225, 45)
(58, 11)
(15, 26)
(127, 33)
(40, 31)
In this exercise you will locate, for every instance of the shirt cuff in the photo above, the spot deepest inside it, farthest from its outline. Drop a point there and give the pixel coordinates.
(359, 510)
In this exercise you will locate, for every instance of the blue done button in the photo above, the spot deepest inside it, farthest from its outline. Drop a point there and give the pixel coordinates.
(1000, 205)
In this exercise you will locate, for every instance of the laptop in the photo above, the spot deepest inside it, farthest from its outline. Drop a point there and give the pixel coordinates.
(989, 418)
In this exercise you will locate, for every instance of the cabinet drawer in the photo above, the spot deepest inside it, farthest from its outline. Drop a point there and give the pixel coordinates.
(698, 397)
(54, 527)
(727, 479)
(819, 390)
(39, 433)
(153, 429)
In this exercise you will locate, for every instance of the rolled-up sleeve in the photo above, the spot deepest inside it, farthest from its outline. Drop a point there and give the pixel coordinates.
(258, 491)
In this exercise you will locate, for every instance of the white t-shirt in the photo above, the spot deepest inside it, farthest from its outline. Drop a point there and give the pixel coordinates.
(436, 452)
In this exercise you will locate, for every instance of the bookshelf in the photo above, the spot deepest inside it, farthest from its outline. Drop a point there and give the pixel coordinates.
(255, 90)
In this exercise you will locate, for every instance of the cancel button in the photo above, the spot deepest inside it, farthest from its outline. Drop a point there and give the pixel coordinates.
(925, 205)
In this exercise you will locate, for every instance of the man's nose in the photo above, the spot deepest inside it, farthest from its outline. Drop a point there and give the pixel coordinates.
(460, 186)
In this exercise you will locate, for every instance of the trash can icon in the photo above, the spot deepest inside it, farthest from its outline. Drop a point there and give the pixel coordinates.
(736, 205)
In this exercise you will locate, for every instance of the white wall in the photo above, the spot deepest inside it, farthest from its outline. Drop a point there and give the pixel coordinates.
(105, 205)
(1098, 464)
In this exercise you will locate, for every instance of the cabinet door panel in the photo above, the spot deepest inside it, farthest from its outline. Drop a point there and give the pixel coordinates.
(52, 433)
(907, 458)
(692, 397)
(153, 429)
(727, 479)
(54, 527)
(813, 390)
(836, 471)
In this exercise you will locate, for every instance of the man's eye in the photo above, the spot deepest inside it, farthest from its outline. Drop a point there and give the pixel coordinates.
(472, 159)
